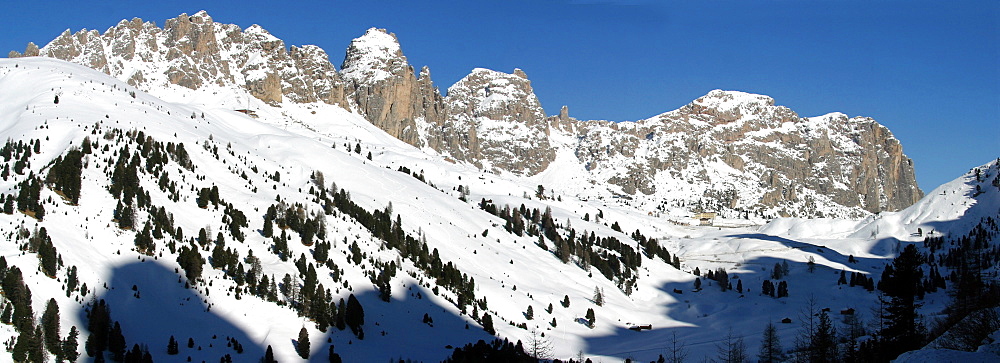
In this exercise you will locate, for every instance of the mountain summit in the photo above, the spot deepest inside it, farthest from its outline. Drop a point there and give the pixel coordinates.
(734, 152)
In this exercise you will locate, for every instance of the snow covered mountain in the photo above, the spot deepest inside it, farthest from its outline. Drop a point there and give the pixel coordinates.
(156, 203)
(730, 152)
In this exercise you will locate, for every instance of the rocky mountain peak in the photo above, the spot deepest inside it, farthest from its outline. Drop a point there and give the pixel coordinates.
(374, 56)
(507, 117)
(727, 101)
(497, 95)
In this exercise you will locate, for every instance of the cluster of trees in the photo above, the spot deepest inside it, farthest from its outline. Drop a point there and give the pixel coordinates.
(968, 315)
(33, 342)
(615, 260)
(405, 170)
(65, 174)
(48, 258)
(106, 334)
(29, 197)
(298, 219)
(859, 279)
(768, 289)
(21, 153)
(381, 224)
(652, 249)
(496, 351)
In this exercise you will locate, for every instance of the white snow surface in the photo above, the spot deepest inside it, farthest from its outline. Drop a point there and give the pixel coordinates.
(511, 272)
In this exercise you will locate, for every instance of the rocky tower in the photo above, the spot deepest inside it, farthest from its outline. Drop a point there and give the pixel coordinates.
(385, 88)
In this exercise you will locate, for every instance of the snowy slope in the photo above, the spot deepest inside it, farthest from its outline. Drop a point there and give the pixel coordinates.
(511, 272)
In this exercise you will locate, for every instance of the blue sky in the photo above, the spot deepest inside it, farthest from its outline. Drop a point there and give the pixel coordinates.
(930, 71)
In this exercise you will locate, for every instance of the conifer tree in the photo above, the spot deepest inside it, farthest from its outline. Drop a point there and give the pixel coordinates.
(172, 346)
(70, 345)
(488, 324)
(268, 355)
(303, 343)
(334, 357)
(36, 346)
(591, 319)
(116, 343)
(783, 289)
(50, 326)
(903, 330)
(598, 296)
(770, 346)
(823, 344)
(354, 317)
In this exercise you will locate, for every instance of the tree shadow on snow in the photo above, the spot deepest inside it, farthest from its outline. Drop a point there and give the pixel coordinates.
(703, 318)
(161, 306)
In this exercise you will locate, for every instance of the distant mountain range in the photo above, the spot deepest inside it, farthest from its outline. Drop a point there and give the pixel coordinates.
(727, 151)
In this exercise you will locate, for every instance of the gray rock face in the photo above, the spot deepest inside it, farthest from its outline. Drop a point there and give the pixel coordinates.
(507, 121)
(726, 151)
(385, 88)
(192, 51)
(797, 165)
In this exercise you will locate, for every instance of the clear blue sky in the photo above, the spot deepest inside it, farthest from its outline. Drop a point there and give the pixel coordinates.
(930, 71)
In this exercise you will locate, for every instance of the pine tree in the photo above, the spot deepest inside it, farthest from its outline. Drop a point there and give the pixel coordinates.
(823, 345)
(172, 346)
(303, 347)
(354, 317)
(530, 314)
(50, 326)
(591, 319)
(488, 324)
(99, 325)
(783, 289)
(268, 355)
(70, 345)
(903, 330)
(770, 346)
(116, 343)
(268, 230)
(36, 346)
(598, 296)
(565, 301)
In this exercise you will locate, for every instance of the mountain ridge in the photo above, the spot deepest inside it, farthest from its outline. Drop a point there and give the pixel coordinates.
(731, 148)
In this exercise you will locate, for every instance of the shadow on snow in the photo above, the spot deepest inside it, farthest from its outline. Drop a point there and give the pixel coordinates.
(161, 306)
